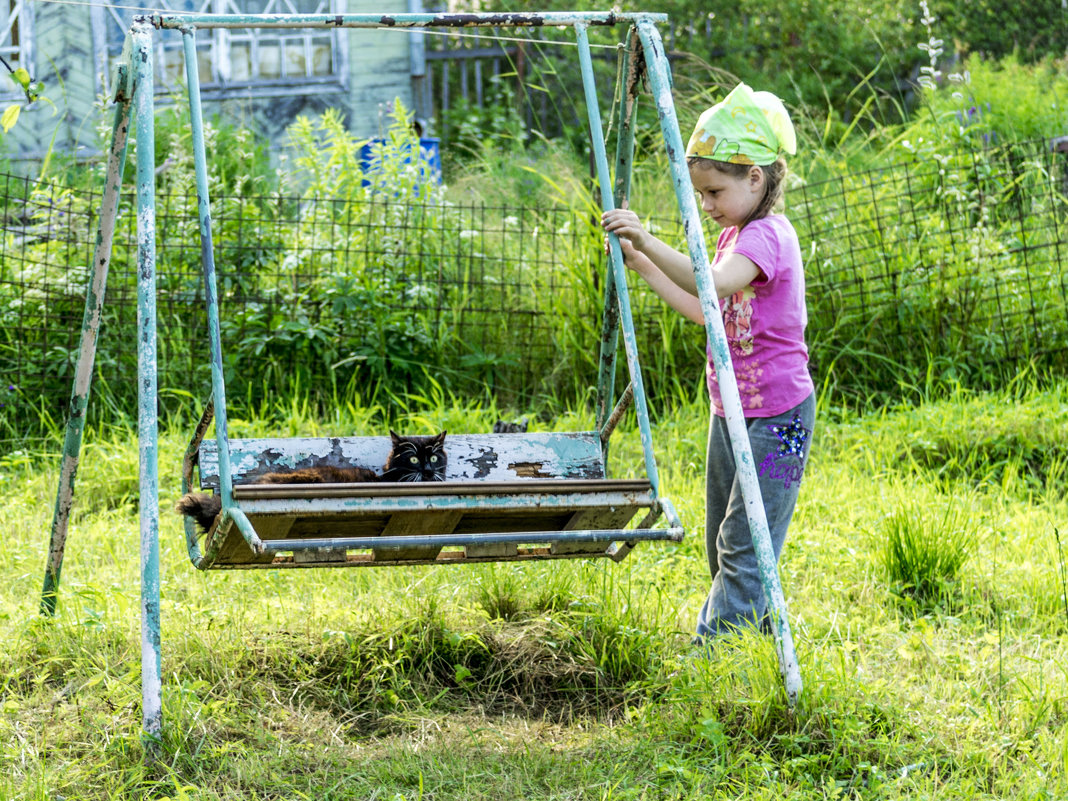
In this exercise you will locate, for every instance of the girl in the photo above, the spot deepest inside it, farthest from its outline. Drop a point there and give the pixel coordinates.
(737, 170)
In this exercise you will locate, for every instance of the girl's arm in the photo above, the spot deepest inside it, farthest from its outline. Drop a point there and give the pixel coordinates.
(686, 304)
(656, 262)
(673, 265)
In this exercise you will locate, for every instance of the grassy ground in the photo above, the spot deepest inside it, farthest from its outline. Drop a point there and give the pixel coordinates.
(925, 677)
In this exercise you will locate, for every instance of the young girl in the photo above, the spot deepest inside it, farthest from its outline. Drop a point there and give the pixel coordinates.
(737, 170)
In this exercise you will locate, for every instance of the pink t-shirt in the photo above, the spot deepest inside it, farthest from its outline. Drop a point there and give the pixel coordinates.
(765, 322)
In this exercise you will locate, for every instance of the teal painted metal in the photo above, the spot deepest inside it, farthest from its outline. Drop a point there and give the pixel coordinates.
(147, 422)
(83, 374)
(486, 20)
(211, 293)
(450, 540)
(659, 76)
(477, 458)
(630, 343)
(606, 375)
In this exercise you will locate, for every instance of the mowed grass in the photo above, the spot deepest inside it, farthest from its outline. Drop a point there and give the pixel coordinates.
(571, 680)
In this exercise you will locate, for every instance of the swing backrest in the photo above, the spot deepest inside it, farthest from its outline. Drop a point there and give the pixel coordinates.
(471, 457)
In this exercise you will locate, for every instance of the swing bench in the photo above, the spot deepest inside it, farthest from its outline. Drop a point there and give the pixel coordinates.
(506, 497)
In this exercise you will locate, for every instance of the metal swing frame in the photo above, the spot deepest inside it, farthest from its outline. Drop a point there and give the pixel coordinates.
(643, 55)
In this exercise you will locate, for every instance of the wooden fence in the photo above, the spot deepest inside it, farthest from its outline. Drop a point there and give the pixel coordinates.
(537, 74)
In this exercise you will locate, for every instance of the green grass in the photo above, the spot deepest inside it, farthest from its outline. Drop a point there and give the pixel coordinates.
(565, 680)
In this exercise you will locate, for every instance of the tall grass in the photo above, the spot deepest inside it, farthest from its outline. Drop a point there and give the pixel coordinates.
(566, 679)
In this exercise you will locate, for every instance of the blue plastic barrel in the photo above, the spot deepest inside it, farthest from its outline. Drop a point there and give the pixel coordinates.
(429, 153)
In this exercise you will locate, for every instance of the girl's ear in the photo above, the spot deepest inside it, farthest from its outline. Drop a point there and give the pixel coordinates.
(755, 177)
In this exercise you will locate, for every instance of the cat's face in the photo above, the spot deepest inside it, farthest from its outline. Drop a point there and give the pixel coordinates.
(416, 458)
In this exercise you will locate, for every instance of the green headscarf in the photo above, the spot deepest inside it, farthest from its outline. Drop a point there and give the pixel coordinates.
(746, 127)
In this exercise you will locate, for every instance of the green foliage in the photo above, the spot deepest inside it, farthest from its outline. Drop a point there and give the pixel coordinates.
(472, 130)
(994, 102)
(30, 88)
(1033, 29)
(470, 682)
(924, 552)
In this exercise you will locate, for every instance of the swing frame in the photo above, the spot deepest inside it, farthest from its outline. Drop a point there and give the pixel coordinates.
(643, 56)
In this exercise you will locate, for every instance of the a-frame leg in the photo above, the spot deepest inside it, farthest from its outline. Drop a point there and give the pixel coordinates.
(658, 71)
(147, 415)
(83, 374)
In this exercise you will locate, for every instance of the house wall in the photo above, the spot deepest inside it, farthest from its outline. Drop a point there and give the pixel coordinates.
(62, 57)
(377, 70)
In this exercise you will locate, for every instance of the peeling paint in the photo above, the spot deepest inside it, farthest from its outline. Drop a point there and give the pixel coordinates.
(94, 301)
(465, 20)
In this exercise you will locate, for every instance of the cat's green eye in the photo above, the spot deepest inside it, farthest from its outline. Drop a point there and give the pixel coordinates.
(433, 459)
(414, 460)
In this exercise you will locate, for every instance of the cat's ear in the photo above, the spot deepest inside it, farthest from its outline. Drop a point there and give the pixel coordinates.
(393, 435)
(439, 439)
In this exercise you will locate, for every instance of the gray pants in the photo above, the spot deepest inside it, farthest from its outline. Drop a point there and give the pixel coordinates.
(780, 449)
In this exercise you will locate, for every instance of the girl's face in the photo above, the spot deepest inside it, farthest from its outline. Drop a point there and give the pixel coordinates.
(726, 199)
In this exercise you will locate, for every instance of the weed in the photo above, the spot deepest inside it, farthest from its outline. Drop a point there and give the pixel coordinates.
(924, 551)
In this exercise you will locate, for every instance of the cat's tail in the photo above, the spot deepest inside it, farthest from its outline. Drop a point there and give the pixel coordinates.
(202, 507)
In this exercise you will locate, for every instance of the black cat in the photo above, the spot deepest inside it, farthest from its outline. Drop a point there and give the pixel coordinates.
(517, 427)
(415, 459)
(410, 459)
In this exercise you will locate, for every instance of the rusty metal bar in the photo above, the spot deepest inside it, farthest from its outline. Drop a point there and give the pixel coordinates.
(617, 413)
(189, 461)
(630, 344)
(425, 491)
(485, 20)
(83, 372)
(606, 376)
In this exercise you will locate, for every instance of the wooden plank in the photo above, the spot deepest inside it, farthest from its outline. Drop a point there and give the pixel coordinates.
(235, 550)
(471, 457)
(416, 523)
(588, 519)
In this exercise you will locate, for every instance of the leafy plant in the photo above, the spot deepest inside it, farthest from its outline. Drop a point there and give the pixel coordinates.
(30, 88)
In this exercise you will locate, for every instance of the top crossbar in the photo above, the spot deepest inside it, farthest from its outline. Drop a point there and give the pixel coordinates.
(547, 19)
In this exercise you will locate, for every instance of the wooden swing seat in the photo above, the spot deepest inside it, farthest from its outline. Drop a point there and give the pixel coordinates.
(506, 497)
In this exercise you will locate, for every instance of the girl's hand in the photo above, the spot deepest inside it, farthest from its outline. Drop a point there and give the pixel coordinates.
(625, 224)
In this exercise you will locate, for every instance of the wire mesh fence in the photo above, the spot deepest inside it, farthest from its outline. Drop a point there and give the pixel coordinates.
(955, 258)
(958, 259)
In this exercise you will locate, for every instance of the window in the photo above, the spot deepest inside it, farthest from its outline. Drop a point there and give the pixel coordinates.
(15, 38)
(281, 61)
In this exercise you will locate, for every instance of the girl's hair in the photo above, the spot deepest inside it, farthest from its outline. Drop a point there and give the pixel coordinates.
(774, 181)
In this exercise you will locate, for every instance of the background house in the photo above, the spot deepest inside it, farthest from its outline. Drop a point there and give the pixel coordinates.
(262, 78)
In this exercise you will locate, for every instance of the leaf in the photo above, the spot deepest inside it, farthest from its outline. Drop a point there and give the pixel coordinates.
(10, 117)
(22, 78)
